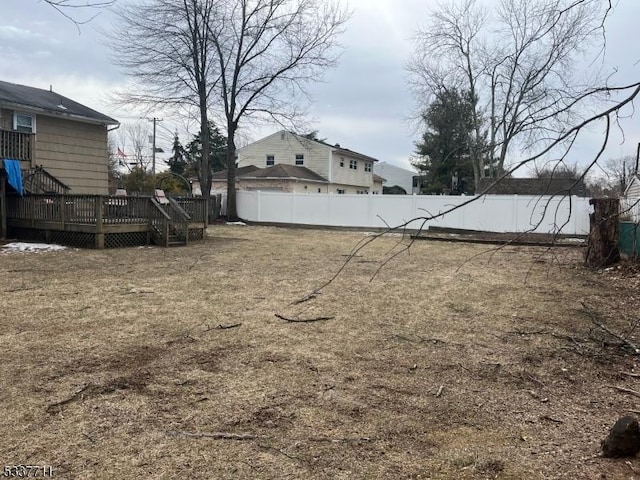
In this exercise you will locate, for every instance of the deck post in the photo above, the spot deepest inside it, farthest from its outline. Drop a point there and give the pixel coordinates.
(3, 207)
(99, 222)
(63, 204)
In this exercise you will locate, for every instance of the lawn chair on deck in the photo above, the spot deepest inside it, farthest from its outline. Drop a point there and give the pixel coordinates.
(117, 204)
(161, 198)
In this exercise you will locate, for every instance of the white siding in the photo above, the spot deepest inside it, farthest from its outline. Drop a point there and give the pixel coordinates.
(633, 190)
(319, 158)
(284, 146)
(396, 176)
(347, 176)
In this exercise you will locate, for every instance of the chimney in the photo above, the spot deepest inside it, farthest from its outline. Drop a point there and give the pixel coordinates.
(337, 145)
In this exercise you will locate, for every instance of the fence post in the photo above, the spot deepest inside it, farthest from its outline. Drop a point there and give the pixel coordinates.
(293, 207)
(259, 205)
(99, 225)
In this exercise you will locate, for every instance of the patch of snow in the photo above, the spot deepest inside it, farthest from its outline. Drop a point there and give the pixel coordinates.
(237, 223)
(32, 247)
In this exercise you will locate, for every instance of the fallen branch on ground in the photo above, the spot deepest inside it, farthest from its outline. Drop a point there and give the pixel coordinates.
(597, 322)
(220, 435)
(224, 327)
(626, 390)
(249, 437)
(306, 298)
(302, 320)
(72, 398)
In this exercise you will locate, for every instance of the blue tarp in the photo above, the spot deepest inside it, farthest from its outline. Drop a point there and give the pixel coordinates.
(14, 174)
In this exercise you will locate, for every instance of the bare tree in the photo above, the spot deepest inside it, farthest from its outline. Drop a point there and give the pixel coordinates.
(517, 65)
(619, 172)
(266, 52)
(64, 7)
(164, 47)
(133, 139)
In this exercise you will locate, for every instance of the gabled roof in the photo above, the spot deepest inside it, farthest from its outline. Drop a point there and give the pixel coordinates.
(532, 186)
(222, 175)
(334, 148)
(378, 178)
(21, 96)
(279, 171)
(385, 165)
(282, 170)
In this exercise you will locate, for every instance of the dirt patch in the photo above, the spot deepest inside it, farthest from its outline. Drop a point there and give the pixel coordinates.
(456, 361)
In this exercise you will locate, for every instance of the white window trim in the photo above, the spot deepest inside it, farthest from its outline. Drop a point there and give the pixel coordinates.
(24, 114)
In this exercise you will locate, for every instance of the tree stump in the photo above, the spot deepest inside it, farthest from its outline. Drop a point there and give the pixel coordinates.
(623, 439)
(602, 248)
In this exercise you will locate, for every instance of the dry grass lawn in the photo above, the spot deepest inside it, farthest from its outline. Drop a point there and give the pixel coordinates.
(446, 365)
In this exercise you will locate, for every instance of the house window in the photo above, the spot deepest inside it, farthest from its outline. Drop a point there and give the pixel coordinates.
(367, 167)
(299, 159)
(353, 164)
(341, 191)
(24, 123)
(271, 160)
(342, 161)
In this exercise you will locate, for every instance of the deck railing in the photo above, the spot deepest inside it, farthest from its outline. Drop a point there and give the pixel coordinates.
(16, 145)
(88, 209)
(196, 208)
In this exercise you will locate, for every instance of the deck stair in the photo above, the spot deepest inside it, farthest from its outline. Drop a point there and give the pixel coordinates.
(38, 181)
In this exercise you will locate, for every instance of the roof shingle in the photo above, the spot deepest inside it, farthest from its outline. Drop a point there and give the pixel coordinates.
(49, 101)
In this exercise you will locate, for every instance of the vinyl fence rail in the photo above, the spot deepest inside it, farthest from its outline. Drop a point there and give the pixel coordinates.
(491, 213)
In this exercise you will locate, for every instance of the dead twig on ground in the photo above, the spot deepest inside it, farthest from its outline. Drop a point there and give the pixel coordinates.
(223, 327)
(302, 320)
(595, 319)
(626, 390)
(440, 390)
(250, 437)
(306, 298)
(219, 435)
(74, 396)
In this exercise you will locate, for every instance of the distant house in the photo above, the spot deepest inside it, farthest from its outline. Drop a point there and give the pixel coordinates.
(633, 189)
(43, 128)
(532, 186)
(395, 176)
(319, 166)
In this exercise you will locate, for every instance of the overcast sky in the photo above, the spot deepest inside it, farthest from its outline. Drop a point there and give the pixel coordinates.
(364, 104)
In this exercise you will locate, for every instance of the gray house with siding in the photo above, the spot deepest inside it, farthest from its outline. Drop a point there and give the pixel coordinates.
(43, 128)
(59, 139)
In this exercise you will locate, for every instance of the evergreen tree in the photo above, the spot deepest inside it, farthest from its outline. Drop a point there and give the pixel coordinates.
(177, 162)
(445, 149)
(217, 152)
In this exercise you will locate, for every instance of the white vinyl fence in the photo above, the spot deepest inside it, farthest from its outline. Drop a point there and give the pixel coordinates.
(492, 213)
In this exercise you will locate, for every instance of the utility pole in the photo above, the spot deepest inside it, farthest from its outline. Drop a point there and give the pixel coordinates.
(153, 154)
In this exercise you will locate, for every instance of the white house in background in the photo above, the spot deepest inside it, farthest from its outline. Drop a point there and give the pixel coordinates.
(633, 189)
(343, 170)
(396, 176)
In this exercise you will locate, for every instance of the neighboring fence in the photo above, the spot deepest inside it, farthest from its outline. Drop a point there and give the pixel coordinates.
(492, 213)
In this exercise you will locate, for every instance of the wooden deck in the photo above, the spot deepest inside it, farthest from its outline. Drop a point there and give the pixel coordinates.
(106, 221)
